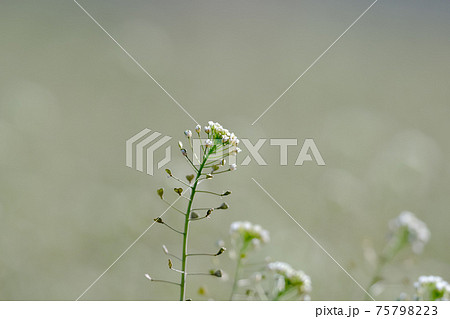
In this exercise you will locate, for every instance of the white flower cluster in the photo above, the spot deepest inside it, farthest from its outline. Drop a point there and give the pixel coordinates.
(216, 131)
(220, 143)
(292, 277)
(417, 231)
(432, 288)
(249, 233)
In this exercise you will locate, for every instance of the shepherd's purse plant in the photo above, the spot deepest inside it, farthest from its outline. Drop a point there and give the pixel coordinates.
(217, 145)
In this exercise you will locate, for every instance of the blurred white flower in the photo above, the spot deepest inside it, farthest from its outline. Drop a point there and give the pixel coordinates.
(292, 278)
(430, 288)
(249, 233)
(198, 128)
(416, 230)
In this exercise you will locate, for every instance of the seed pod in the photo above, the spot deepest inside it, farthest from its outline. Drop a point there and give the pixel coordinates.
(223, 206)
(221, 251)
(190, 177)
(194, 215)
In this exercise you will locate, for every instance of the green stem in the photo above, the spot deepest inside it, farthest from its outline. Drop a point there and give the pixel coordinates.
(376, 276)
(236, 276)
(388, 253)
(186, 229)
(238, 267)
(283, 293)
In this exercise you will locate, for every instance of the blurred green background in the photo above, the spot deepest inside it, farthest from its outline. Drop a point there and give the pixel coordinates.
(376, 105)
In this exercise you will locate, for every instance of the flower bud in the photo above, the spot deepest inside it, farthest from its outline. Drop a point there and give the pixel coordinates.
(188, 133)
(198, 128)
(169, 172)
(184, 152)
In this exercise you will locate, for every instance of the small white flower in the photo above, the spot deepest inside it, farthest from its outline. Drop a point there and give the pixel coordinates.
(265, 238)
(233, 167)
(280, 267)
(188, 133)
(198, 128)
(234, 141)
(246, 226)
(254, 234)
(208, 129)
(235, 150)
(292, 277)
(257, 277)
(208, 143)
(256, 242)
(418, 233)
(430, 288)
(225, 138)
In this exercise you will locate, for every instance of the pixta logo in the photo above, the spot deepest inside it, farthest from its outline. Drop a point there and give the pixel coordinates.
(141, 147)
(145, 146)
